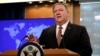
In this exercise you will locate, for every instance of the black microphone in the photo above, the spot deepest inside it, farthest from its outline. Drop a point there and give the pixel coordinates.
(24, 37)
(22, 40)
(61, 35)
(63, 41)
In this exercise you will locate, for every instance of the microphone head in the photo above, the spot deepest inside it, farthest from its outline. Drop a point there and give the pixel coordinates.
(61, 35)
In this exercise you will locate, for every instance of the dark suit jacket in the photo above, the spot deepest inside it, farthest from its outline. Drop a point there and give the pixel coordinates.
(75, 39)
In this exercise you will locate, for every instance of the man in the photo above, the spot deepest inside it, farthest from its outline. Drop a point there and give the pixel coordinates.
(73, 37)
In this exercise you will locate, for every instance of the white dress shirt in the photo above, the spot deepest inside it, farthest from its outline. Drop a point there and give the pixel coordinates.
(64, 26)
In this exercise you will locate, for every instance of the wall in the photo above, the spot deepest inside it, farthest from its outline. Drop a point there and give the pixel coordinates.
(45, 11)
(38, 11)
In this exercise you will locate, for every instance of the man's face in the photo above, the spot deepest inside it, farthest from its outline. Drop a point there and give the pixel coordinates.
(60, 13)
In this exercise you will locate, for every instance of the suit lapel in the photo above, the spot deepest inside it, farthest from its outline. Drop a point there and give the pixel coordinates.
(65, 35)
(54, 34)
(67, 29)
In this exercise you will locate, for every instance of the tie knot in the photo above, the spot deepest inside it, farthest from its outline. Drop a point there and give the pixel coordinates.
(60, 27)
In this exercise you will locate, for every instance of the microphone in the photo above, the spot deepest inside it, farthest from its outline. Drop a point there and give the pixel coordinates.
(63, 41)
(61, 35)
(22, 40)
(24, 37)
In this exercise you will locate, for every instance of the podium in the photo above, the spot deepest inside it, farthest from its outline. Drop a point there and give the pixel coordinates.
(47, 52)
(59, 52)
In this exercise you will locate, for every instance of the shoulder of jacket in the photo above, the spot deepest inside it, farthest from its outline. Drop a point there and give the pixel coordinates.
(79, 26)
(50, 28)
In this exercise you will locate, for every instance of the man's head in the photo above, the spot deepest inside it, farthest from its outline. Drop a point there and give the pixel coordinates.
(60, 13)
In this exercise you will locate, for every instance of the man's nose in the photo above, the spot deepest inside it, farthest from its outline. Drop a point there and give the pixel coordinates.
(58, 13)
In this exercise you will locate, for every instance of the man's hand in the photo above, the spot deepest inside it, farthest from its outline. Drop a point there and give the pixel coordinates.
(31, 38)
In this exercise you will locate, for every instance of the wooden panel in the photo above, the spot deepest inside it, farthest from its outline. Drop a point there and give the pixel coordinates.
(70, 12)
(76, 13)
(38, 11)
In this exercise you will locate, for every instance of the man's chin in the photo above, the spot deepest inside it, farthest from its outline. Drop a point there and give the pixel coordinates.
(59, 20)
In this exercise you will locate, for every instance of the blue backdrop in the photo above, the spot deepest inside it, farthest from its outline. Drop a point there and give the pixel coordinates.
(12, 32)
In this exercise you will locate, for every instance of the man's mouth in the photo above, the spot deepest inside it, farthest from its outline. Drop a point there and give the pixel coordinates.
(58, 16)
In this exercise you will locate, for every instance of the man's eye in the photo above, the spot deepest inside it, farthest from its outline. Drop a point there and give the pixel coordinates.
(55, 11)
(60, 10)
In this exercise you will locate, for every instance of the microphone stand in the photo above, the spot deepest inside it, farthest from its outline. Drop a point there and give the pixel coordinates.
(21, 41)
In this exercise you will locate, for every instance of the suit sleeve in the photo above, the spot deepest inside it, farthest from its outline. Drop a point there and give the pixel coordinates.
(42, 38)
